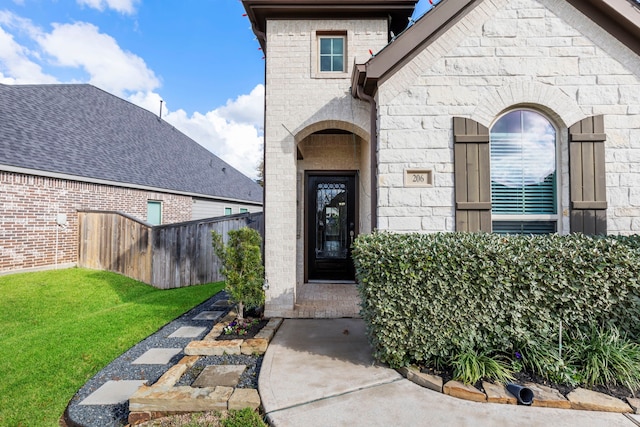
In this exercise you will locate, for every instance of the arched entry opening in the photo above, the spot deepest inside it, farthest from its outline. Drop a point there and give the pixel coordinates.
(333, 171)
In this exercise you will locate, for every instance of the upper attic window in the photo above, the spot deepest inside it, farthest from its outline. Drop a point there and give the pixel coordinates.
(329, 54)
(331, 51)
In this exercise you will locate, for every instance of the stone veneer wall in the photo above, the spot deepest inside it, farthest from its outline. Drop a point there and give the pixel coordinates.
(297, 99)
(29, 206)
(538, 53)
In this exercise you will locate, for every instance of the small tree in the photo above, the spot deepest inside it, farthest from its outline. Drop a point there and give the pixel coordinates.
(242, 265)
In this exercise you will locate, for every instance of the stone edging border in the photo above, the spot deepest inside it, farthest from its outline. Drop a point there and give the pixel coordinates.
(164, 398)
(544, 396)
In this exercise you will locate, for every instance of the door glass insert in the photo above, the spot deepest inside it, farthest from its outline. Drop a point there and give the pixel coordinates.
(332, 232)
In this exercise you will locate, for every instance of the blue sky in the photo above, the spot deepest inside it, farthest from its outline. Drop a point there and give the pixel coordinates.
(203, 52)
(199, 56)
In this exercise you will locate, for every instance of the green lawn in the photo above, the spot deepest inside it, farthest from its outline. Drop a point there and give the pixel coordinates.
(58, 328)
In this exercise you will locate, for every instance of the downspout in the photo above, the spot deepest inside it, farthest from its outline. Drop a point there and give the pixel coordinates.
(373, 146)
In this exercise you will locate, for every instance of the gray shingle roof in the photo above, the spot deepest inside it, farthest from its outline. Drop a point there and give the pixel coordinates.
(83, 131)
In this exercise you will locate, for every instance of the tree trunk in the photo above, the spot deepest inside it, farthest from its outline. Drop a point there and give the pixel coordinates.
(240, 311)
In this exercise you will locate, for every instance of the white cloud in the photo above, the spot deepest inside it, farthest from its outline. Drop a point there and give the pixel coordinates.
(127, 7)
(15, 65)
(233, 132)
(246, 108)
(111, 68)
(230, 132)
(523, 149)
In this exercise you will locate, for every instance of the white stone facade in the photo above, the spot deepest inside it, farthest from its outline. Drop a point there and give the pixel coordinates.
(540, 54)
(504, 54)
(299, 102)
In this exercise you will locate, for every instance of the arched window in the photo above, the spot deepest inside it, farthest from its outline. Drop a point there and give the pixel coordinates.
(523, 174)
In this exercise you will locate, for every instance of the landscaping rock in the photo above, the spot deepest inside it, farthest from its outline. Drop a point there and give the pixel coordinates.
(547, 397)
(180, 399)
(590, 400)
(464, 391)
(215, 332)
(141, 417)
(244, 398)
(497, 393)
(254, 346)
(432, 382)
(413, 374)
(212, 348)
(169, 378)
(270, 329)
(266, 333)
(219, 375)
(634, 403)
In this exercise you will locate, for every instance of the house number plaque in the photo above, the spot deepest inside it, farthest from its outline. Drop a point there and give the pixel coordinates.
(418, 178)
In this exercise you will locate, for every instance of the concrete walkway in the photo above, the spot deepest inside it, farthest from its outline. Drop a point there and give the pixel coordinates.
(319, 372)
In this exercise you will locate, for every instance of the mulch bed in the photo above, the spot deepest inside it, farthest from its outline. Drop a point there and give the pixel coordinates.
(523, 377)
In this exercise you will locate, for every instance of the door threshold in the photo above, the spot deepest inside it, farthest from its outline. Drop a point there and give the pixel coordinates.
(332, 282)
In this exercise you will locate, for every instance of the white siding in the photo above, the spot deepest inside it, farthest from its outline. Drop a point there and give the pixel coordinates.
(203, 208)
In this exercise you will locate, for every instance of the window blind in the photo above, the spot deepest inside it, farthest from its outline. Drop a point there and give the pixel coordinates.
(523, 165)
(524, 227)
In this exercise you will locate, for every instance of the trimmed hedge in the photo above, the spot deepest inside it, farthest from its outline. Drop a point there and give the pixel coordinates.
(428, 297)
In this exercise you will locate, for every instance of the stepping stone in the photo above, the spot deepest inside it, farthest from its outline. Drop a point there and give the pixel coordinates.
(209, 315)
(219, 375)
(187, 332)
(157, 356)
(113, 392)
(222, 303)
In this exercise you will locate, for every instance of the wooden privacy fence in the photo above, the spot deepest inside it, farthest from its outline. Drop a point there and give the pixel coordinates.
(164, 256)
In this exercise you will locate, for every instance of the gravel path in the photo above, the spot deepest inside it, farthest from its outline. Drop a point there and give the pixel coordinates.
(122, 369)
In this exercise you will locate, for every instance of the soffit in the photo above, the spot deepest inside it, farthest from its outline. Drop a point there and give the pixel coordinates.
(259, 11)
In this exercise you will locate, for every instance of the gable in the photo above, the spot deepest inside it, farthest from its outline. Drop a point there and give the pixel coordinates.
(519, 42)
(619, 18)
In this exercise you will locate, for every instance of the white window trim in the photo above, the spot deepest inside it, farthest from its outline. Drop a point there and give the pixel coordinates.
(562, 171)
(315, 54)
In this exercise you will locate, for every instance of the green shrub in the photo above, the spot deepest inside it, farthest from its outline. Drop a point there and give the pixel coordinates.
(241, 260)
(606, 357)
(243, 418)
(471, 366)
(544, 359)
(433, 296)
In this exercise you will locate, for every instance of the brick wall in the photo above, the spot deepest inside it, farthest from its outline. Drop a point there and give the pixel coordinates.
(541, 54)
(30, 204)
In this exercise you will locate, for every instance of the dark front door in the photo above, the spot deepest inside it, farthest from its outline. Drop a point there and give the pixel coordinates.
(331, 226)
